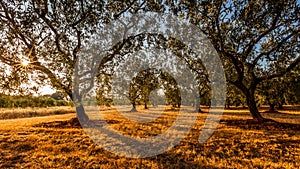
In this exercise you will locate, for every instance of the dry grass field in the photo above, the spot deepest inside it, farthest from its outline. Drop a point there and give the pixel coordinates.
(58, 141)
(13, 113)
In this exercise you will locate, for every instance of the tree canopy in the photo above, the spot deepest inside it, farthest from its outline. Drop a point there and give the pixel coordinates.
(257, 41)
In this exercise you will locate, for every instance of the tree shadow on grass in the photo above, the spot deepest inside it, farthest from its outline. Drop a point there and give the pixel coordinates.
(173, 160)
(14, 151)
(251, 124)
(168, 159)
(271, 136)
(73, 123)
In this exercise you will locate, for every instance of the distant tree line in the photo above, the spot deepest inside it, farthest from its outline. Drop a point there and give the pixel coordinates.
(7, 101)
(274, 93)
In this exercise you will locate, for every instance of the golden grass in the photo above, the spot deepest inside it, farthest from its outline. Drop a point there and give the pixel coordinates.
(13, 113)
(237, 143)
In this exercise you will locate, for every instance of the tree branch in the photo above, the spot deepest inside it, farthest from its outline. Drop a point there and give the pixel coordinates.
(255, 41)
(120, 13)
(273, 49)
(57, 35)
(279, 74)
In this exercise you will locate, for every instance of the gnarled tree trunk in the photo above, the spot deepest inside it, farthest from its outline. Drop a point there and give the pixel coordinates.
(253, 107)
(250, 99)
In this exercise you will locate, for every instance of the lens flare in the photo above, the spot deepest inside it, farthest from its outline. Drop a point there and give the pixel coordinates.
(25, 63)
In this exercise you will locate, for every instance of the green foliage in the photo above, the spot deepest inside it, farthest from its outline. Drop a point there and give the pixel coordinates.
(257, 41)
(234, 96)
(30, 101)
(150, 80)
(280, 91)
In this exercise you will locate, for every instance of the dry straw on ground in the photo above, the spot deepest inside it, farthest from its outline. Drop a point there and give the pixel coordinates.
(58, 142)
(13, 113)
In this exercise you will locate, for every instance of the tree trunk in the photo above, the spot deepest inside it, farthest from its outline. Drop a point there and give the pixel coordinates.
(227, 103)
(145, 106)
(133, 108)
(250, 100)
(272, 107)
(76, 98)
(252, 106)
(81, 113)
(197, 105)
(227, 106)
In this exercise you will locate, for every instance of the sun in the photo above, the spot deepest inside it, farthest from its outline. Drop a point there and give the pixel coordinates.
(25, 63)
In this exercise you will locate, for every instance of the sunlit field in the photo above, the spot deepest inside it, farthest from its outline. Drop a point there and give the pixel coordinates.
(13, 113)
(58, 141)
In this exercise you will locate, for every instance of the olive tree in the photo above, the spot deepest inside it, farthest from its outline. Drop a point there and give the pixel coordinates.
(249, 37)
(44, 38)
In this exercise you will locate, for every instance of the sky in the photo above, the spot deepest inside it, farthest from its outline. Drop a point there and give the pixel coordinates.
(46, 90)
